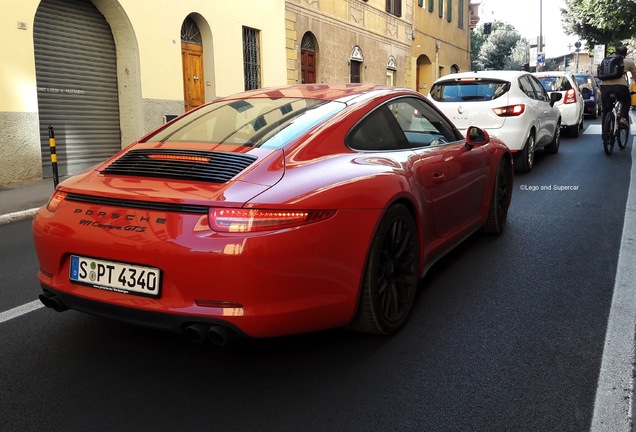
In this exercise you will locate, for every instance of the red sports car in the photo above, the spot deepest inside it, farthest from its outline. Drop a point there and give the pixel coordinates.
(273, 212)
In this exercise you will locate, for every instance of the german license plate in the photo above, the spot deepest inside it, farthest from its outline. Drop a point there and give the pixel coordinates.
(116, 276)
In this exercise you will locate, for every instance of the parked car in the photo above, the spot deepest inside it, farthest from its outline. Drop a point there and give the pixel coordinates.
(273, 212)
(571, 104)
(591, 98)
(510, 105)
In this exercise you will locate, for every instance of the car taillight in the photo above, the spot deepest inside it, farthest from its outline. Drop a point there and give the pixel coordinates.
(250, 220)
(55, 200)
(510, 111)
(570, 97)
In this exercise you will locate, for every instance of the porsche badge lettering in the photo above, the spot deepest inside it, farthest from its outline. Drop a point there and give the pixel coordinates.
(114, 216)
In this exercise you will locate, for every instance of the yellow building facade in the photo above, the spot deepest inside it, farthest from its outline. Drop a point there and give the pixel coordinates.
(64, 62)
(102, 73)
(441, 43)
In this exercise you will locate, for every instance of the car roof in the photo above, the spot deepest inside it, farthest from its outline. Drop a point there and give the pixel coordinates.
(552, 73)
(342, 92)
(496, 74)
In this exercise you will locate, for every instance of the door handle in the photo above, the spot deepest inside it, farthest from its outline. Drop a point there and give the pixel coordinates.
(438, 177)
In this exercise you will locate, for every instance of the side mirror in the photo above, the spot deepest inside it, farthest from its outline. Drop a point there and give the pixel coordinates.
(555, 97)
(476, 137)
(586, 92)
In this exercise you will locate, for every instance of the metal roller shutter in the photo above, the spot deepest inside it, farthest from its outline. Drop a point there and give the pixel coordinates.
(76, 70)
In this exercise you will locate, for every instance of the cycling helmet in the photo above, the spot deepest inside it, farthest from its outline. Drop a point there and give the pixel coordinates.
(622, 50)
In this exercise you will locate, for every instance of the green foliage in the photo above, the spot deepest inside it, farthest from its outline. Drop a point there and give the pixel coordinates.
(495, 51)
(600, 21)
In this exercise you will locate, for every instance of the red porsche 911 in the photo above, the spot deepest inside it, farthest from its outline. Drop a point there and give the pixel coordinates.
(273, 212)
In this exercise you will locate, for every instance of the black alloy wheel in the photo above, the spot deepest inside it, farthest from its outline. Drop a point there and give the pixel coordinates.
(500, 198)
(391, 278)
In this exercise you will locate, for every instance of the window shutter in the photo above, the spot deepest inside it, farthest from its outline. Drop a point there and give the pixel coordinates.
(449, 10)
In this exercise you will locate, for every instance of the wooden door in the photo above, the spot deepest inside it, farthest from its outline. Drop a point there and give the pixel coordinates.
(308, 66)
(193, 83)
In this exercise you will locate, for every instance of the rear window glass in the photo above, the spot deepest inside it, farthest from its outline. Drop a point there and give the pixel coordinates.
(555, 83)
(257, 122)
(469, 90)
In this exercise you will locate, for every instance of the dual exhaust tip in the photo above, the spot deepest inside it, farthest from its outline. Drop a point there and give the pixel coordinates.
(196, 332)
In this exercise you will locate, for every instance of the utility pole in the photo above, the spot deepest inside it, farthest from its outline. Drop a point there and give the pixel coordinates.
(540, 66)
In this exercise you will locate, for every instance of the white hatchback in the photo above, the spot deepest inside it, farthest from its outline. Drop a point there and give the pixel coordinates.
(510, 105)
(571, 105)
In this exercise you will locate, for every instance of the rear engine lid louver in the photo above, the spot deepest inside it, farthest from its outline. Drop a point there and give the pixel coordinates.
(197, 165)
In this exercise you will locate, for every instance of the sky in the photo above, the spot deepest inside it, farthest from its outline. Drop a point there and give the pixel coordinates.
(524, 16)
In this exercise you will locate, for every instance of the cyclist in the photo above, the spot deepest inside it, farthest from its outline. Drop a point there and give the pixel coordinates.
(620, 86)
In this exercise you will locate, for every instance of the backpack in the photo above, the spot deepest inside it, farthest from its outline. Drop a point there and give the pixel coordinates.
(611, 68)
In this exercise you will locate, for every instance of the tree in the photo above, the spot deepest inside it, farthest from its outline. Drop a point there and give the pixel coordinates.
(518, 56)
(477, 39)
(600, 21)
(497, 48)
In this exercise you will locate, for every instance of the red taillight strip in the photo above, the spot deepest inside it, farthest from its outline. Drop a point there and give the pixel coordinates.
(179, 157)
(250, 220)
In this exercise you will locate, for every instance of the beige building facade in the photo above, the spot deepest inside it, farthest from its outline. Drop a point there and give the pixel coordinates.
(349, 41)
(103, 73)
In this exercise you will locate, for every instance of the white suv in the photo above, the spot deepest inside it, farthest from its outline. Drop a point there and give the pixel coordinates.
(510, 105)
(571, 105)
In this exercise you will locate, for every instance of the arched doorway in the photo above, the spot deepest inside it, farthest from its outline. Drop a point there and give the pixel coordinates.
(308, 59)
(192, 61)
(424, 75)
(355, 63)
(77, 84)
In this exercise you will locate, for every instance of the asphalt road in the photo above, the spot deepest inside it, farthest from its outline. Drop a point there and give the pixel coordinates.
(507, 335)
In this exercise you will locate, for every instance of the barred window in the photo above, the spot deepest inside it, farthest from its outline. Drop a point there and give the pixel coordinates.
(394, 7)
(251, 58)
(441, 8)
(431, 5)
(449, 10)
(460, 14)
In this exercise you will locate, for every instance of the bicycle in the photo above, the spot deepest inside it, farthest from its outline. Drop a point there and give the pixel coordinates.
(613, 130)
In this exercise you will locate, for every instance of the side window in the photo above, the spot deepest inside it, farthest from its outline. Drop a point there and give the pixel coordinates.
(421, 124)
(526, 87)
(542, 94)
(376, 132)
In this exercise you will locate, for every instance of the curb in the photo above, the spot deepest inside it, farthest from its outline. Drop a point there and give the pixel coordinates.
(17, 216)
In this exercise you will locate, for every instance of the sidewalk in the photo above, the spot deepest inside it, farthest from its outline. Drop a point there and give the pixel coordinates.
(21, 200)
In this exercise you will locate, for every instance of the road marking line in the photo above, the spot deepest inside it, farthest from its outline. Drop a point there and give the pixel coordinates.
(615, 389)
(20, 310)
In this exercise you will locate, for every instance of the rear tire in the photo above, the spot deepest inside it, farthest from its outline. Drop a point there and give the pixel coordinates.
(574, 130)
(623, 137)
(392, 275)
(608, 133)
(525, 159)
(553, 147)
(500, 198)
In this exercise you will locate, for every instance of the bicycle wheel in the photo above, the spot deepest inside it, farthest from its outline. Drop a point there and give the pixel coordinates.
(623, 136)
(608, 133)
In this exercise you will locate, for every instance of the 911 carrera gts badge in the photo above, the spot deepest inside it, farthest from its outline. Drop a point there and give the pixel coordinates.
(113, 217)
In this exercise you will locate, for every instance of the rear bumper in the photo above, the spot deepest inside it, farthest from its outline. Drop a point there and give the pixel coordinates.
(143, 318)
